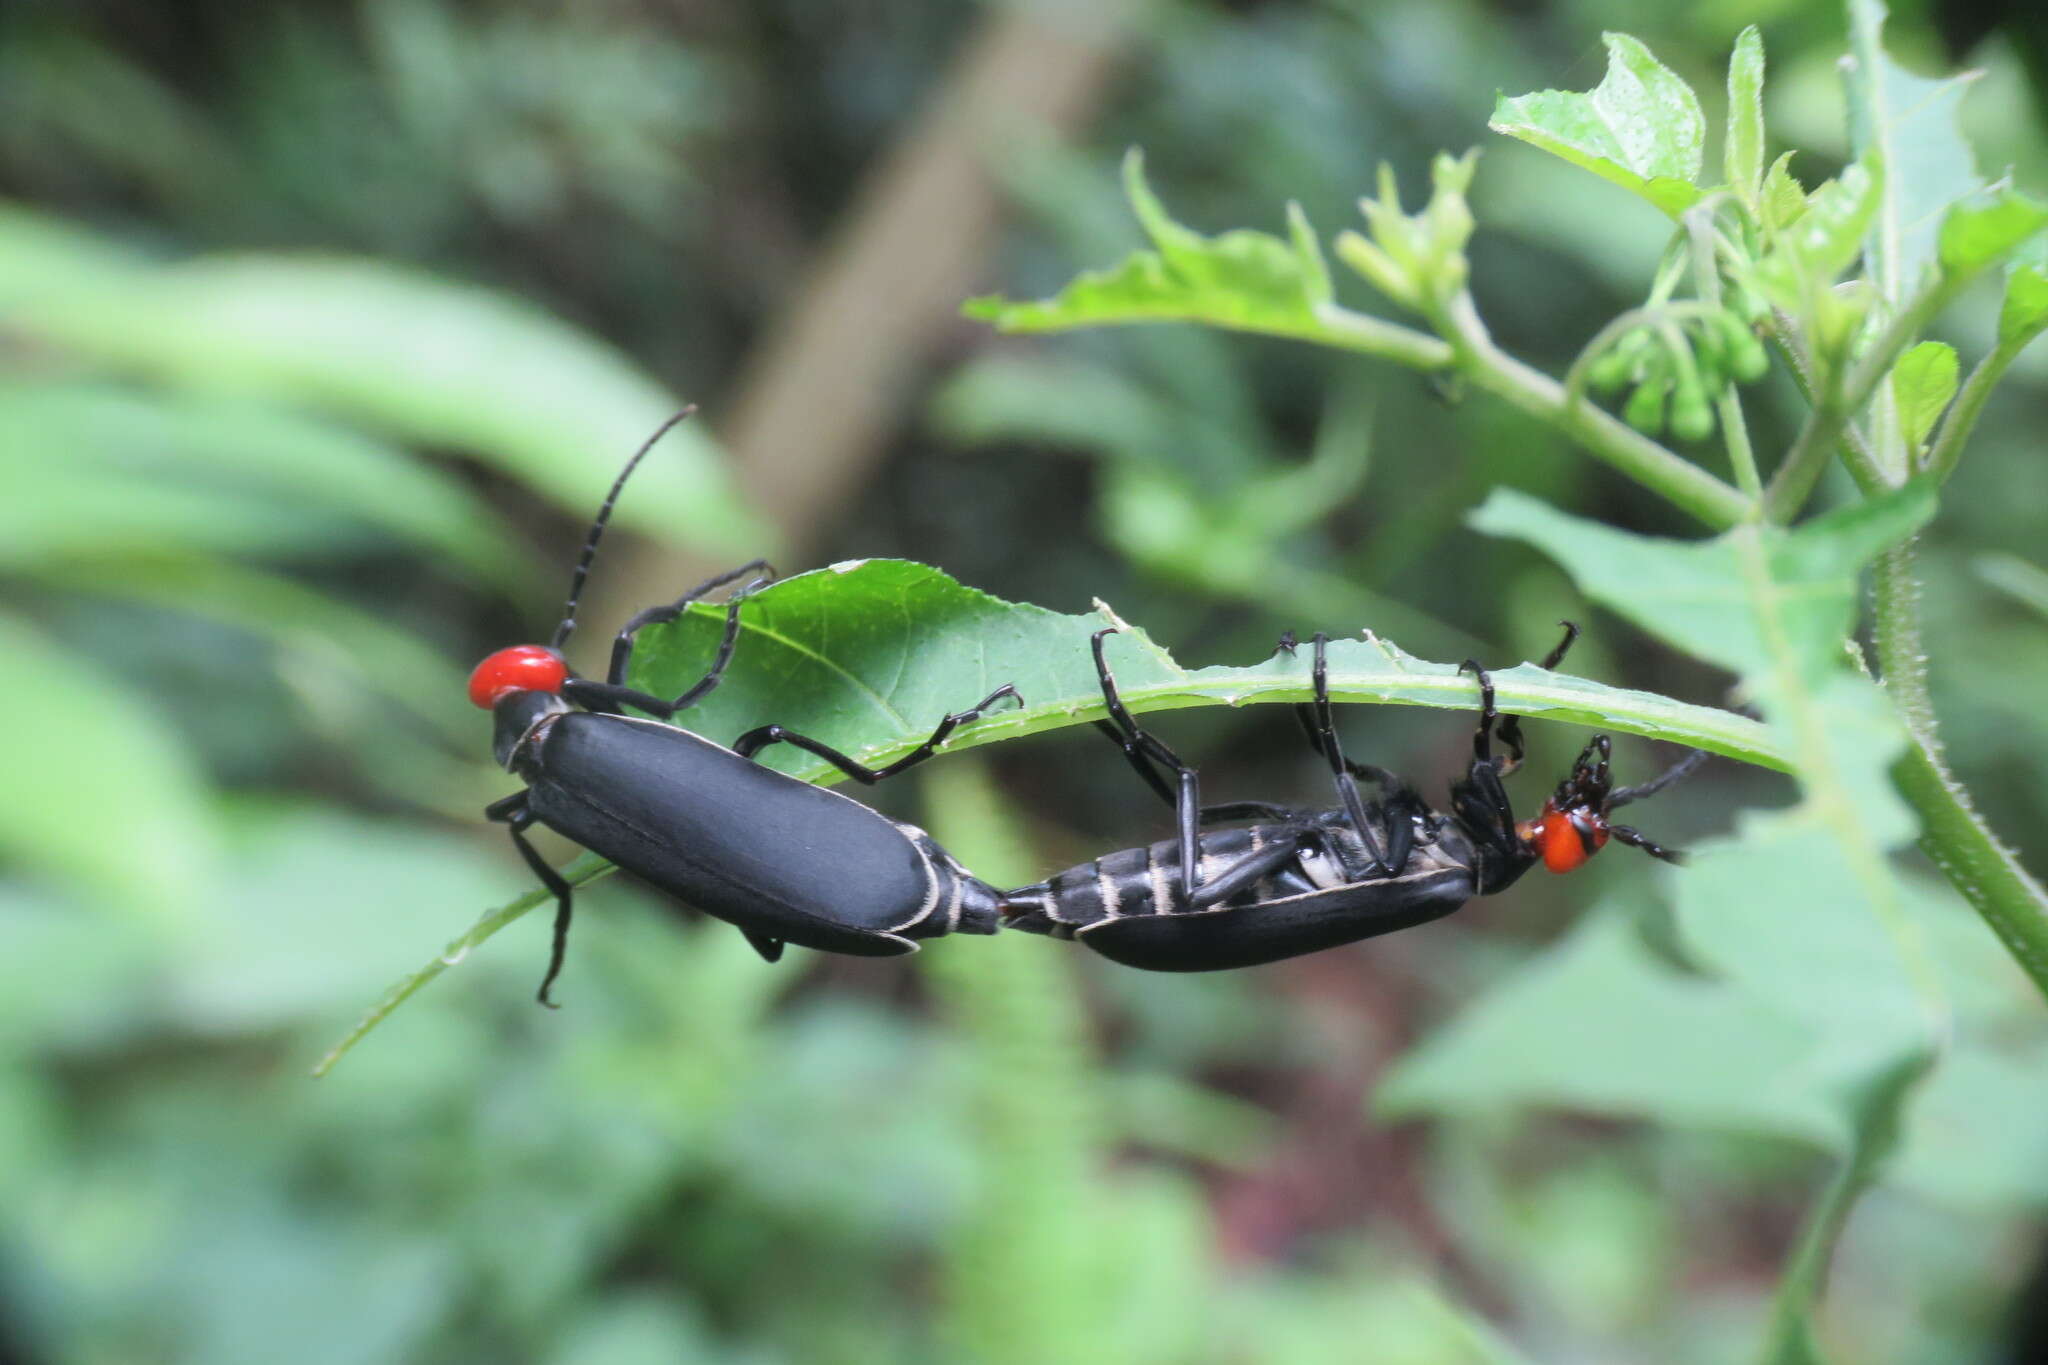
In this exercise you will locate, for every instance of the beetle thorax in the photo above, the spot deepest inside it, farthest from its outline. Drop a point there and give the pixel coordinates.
(521, 719)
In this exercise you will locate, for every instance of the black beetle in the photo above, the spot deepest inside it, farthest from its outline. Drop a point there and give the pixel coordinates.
(785, 861)
(1291, 881)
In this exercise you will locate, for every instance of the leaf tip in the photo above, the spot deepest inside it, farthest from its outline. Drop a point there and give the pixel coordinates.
(986, 308)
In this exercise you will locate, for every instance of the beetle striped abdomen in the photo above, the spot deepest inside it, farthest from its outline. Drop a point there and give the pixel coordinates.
(1139, 881)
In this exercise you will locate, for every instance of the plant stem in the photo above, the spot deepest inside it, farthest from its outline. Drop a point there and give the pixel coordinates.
(1961, 419)
(1656, 468)
(1793, 484)
(1741, 456)
(1351, 330)
(1955, 836)
(1789, 1339)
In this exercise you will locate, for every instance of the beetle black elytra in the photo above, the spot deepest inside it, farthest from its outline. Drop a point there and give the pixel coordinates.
(1291, 881)
(783, 860)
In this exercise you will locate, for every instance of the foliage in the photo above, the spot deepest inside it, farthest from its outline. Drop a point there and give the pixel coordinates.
(260, 502)
(1865, 1002)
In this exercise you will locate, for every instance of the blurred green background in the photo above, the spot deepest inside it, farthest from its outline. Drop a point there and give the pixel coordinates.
(322, 327)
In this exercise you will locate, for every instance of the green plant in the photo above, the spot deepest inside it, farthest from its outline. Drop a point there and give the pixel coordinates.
(1813, 939)
(1809, 985)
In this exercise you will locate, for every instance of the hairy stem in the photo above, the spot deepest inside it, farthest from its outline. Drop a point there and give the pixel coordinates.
(1962, 415)
(1955, 836)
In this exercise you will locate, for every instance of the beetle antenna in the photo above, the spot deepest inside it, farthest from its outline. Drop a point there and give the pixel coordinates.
(1681, 769)
(604, 515)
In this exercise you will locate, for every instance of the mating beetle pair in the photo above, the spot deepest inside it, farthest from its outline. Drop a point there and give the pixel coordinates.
(789, 862)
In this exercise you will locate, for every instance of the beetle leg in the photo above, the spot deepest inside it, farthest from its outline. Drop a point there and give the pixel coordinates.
(1482, 803)
(1244, 872)
(1138, 761)
(1635, 838)
(605, 699)
(1482, 738)
(1323, 738)
(1400, 810)
(1305, 716)
(1139, 746)
(1511, 726)
(513, 812)
(622, 644)
(1682, 768)
(752, 742)
(1249, 810)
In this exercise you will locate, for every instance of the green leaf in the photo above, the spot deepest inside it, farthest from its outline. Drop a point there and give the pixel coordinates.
(1778, 912)
(1910, 125)
(1968, 1145)
(1597, 1024)
(401, 353)
(1697, 595)
(1248, 280)
(868, 655)
(41, 255)
(1818, 242)
(1838, 215)
(1742, 158)
(2015, 577)
(1984, 229)
(116, 473)
(1923, 383)
(113, 803)
(2024, 312)
(1640, 128)
(1803, 911)
(1784, 198)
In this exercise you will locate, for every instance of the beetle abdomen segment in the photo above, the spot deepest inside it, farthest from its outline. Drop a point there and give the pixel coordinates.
(1123, 905)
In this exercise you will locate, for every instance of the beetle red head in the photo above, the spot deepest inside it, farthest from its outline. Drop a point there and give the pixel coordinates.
(1565, 838)
(1573, 826)
(522, 668)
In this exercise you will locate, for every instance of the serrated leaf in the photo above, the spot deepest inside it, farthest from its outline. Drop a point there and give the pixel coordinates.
(1804, 910)
(1641, 127)
(1909, 124)
(870, 654)
(402, 353)
(1982, 230)
(2024, 312)
(1923, 383)
(1695, 595)
(1252, 281)
(1818, 242)
(1742, 158)
(1784, 198)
